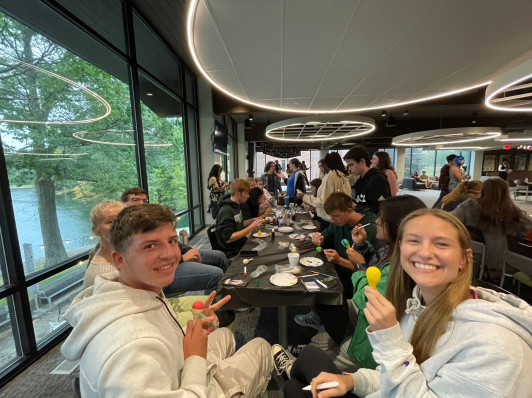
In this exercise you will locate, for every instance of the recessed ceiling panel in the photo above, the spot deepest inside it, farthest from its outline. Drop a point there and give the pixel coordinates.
(354, 48)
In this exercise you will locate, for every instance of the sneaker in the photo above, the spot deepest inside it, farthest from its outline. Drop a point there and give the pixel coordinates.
(282, 361)
(311, 320)
(295, 350)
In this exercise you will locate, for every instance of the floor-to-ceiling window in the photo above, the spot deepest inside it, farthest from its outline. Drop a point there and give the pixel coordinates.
(70, 136)
(419, 159)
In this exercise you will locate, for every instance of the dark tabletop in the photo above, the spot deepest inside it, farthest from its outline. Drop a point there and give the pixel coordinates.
(268, 295)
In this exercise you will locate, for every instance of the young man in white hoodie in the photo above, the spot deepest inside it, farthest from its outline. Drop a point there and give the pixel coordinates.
(127, 336)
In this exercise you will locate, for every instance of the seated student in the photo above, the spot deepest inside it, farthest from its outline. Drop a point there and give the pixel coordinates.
(200, 269)
(356, 352)
(465, 190)
(339, 206)
(433, 334)
(251, 208)
(127, 338)
(268, 199)
(415, 176)
(426, 179)
(103, 216)
(230, 231)
(252, 182)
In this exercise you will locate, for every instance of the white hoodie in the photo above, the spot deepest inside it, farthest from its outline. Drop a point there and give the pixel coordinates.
(485, 352)
(131, 345)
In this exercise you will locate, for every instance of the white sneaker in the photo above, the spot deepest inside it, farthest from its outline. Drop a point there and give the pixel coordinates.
(282, 360)
(311, 320)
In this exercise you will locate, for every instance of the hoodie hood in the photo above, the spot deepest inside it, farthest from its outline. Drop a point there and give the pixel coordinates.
(226, 200)
(85, 313)
(491, 307)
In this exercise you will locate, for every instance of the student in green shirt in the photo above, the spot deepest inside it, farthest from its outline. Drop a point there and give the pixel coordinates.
(339, 206)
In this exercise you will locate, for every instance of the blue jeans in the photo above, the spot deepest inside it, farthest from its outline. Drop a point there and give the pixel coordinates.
(204, 276)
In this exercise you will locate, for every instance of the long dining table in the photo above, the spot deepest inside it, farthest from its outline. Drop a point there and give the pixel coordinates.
(261, 292)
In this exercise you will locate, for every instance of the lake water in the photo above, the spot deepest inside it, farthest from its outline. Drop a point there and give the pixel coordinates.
(73, 216)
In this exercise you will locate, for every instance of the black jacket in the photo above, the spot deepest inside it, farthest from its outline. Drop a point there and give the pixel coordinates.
(370, 189)
(228, 221)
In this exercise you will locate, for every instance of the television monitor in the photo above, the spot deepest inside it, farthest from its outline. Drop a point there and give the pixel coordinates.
(219, 138)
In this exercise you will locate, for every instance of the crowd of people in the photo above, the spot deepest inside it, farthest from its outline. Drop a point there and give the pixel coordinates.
(424, 330)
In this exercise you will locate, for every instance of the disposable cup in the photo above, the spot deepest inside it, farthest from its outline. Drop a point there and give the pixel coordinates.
(293, 259)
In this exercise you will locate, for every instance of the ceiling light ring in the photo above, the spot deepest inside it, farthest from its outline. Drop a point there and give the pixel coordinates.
(505, 80)
(361, 126)
(488, 134)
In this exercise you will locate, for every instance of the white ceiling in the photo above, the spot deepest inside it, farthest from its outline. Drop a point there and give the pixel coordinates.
(341, 55)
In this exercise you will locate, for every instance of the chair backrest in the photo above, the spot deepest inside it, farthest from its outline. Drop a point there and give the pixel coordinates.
(479, 256)
(522, 246)
(212, 238)
(487, 285)
(518, 261)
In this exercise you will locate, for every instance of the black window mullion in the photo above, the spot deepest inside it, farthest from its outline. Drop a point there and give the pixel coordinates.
(136, 111)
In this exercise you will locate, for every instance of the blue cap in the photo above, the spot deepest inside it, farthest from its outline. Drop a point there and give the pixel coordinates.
(459, 160)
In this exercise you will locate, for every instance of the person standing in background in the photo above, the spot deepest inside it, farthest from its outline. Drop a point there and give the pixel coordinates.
(456, 175)
(321, 166)
(272, 180)
(381, 160)
(372, 186)
(504, 170)
(444, 180)
(217, 188)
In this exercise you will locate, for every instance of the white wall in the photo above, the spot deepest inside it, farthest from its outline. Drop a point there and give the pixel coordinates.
(399, 165)
(208, 157)
(476, 164)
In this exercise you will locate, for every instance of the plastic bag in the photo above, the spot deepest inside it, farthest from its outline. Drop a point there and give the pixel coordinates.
(261, 269)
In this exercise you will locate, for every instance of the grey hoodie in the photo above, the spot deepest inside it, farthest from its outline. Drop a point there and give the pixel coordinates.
(131, 345)
(485, 352)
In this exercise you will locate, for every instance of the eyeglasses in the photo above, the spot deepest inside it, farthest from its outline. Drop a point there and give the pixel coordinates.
(138, 200)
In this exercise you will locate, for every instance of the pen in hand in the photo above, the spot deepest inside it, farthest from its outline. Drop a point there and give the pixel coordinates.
(323, 386)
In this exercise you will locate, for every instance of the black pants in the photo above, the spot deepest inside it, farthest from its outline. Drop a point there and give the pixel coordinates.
(310, 363)
(335, 318)
(443, 192)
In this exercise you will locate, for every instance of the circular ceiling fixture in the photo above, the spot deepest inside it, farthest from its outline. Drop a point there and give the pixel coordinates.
(512, 90)
(105, 104)
(80, 135)
(446, 136)
(312, 129)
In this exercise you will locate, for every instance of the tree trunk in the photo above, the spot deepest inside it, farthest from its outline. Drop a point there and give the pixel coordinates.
(54, 250)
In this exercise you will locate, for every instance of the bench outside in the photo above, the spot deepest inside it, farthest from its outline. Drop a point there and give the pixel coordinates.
(49, 289)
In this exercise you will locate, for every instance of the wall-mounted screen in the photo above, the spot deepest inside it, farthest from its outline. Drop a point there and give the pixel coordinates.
(219, 138)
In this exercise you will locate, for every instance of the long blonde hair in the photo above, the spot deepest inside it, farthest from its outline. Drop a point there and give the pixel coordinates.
(462, 188)
(433, 322)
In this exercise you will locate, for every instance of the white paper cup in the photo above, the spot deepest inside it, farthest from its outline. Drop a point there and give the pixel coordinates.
(293, 258)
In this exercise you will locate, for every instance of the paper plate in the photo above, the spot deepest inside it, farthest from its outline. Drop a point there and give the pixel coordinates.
(311, 262)
(310, 234)
(296, 236)
(309, 226)
(283, 279)
(262, 235)
(285, 230)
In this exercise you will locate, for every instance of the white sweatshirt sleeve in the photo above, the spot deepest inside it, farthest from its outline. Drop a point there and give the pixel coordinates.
(478, 361)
